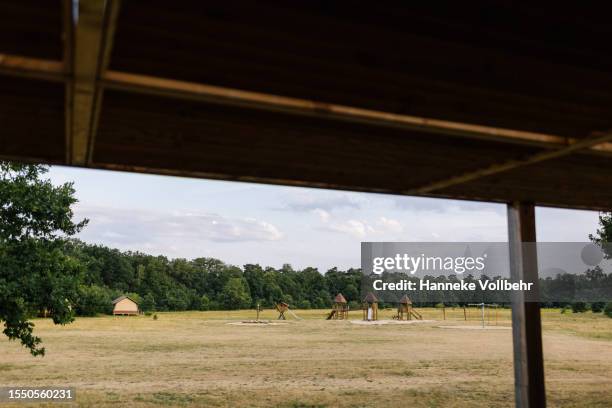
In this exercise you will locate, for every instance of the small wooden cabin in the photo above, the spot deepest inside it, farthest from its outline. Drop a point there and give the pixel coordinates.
(370, 307)
(340, 308)
(123, 305)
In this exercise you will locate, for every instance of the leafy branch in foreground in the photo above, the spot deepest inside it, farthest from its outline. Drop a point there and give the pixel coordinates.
(603, 236)
(35, 272)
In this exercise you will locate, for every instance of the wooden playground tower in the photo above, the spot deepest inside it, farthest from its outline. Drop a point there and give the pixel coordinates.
(405, 310)
(370, 307)
(282, 307)
(340, 309)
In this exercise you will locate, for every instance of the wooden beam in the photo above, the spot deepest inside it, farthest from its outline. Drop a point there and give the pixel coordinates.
(526, 319)
(110, 24)
(87, 49)
(68, 48)
(513, 164)
(34, 68)
(229, 96)
(130, 168)
(87, 63)
(92, 44)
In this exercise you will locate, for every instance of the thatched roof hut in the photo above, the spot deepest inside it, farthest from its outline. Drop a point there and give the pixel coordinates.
(370, 307)
(340, 308)
(405, 300)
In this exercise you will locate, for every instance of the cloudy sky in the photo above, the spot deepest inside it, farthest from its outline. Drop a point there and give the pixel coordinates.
(250, 223)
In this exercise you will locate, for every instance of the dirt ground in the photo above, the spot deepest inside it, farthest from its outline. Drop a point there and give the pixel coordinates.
(199, 359)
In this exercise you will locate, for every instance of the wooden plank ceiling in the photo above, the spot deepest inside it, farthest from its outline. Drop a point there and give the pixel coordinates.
(480, 101)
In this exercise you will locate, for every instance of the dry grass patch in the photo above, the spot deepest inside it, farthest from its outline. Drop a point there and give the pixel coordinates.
(195, 359)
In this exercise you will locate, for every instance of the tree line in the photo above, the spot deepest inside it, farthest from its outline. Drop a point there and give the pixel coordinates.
(161, 284)
(157, 283)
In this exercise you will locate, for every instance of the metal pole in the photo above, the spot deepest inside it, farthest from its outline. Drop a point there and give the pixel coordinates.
(526, 319)
(482, 313)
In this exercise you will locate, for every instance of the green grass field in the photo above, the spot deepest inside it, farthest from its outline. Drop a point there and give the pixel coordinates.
(209, 359)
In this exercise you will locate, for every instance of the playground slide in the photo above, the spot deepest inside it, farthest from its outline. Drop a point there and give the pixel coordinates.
(294, 315)
(330, 315)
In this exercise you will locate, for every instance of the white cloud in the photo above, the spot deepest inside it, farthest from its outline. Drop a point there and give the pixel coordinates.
(290, 224)
(323, 215)
(391, 225)
(144, 228)
(421, 204)
(324, 200)
(359, 228)
(355, 228)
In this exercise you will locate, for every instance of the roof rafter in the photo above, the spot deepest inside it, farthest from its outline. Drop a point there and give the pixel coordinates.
(93, 35)
(86, 58)
(68, 40)
(597, 139)
(15, 65)
(229, 96)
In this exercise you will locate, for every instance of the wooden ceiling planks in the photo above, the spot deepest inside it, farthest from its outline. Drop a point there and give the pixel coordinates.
(501, 91)
(578, 181)
(31, 120)
(356, 60)
(31, 28)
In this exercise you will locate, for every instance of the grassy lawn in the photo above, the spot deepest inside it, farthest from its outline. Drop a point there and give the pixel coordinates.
(201, 359)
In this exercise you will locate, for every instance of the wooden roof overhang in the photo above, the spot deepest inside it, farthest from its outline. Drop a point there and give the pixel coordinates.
(479, 101)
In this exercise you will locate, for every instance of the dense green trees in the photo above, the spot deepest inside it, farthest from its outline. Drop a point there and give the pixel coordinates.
(94, 299)
(164, 284)
(608, 309)
(598, 307)
(235, 294)
(603, 235)
(36, 273)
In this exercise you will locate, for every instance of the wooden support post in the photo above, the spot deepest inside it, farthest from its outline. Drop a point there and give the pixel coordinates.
(526, 320)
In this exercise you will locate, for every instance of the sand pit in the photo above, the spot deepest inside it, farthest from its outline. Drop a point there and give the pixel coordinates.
(382, 322)
(256, 323)
(476, 327)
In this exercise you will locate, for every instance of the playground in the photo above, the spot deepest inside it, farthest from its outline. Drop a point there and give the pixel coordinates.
(203, 359)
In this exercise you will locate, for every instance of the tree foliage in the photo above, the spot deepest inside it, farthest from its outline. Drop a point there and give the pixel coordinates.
(236, 294)
(603, 235)
(608, 309)
(598, 307)
(165, 284)
(35, 272)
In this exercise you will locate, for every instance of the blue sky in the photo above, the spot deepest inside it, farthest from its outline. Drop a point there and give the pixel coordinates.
(251, 223)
